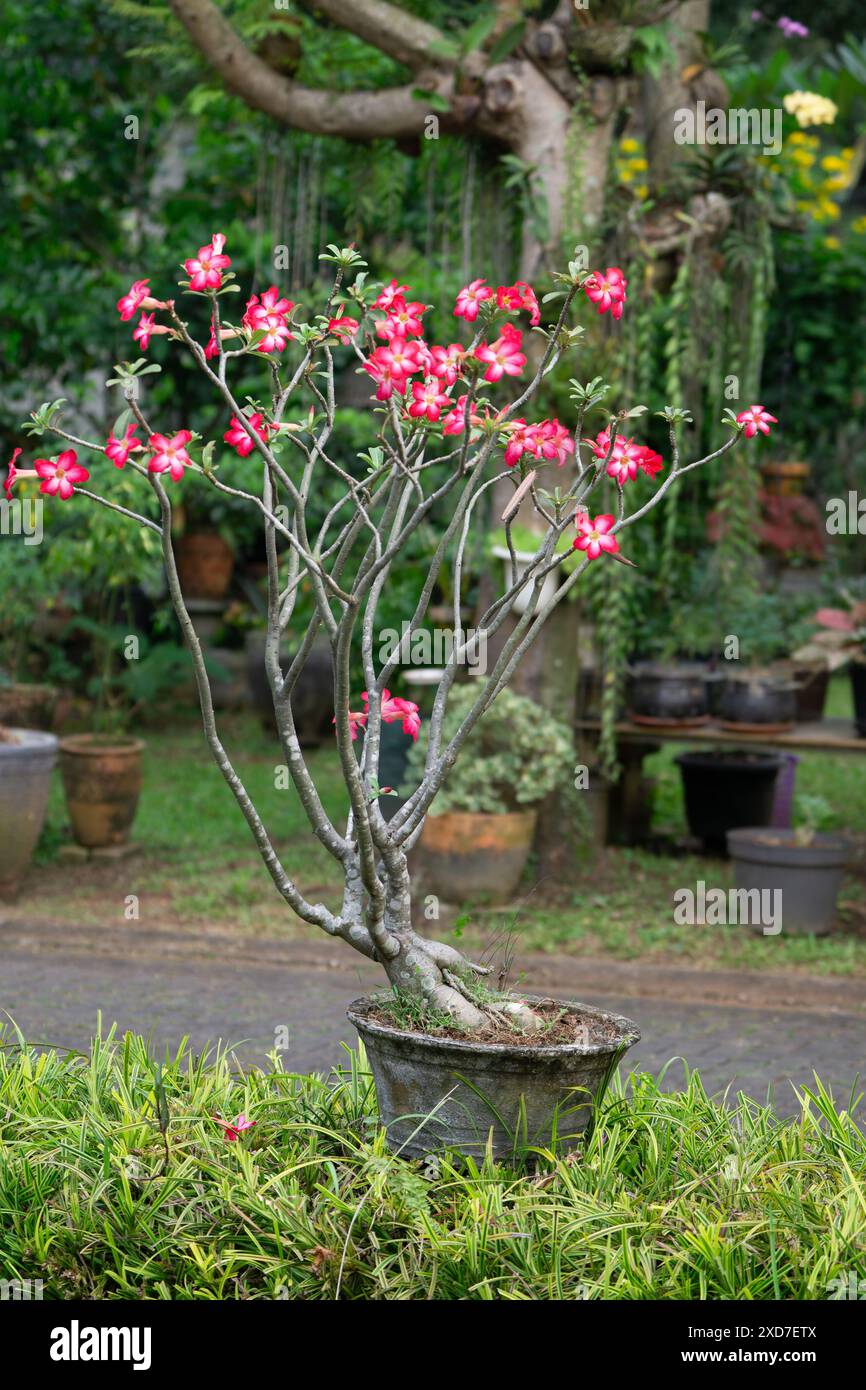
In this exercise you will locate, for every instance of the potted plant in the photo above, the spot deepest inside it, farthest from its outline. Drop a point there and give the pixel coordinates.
(758, 691)
(436, 440)
(477, 840)
(840, 641)
(805, 865)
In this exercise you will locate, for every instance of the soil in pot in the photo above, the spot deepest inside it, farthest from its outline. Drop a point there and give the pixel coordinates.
(24, 706)
(725, 790)
(758, 702)
(465, 855)
(27, 757)
(438, 1091)
(102, 781)
(858, 689)
(807, 876)
(660, 694)
(205, 564)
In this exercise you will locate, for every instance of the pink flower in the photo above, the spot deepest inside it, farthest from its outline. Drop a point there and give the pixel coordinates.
(469, 299)
(234, 1130)
(389, 294)
(356, 722)
(446, 362)
(205, 269)
(14, 474)
(394, 709)
(455, 421)
(428, 399)
(519, 296)
(132, 300)
(402, 319)
(521, 440)
(170, 455)
(392, 364)
(213, 347)
(119, 450)
(268, 315)
(142, 333)
(592, 536)
(554, 441)
(59, 475)
(343, 328)
(237, 436)
(607, 290)
(649, 461)
(754, 419)
(503, 356)
(626, 458)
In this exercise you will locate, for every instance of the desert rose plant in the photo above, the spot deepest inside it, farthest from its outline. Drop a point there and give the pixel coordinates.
(439, 439)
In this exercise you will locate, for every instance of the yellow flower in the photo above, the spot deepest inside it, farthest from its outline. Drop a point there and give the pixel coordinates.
(832, 162)
(642, 190)
(638, 165)
(625, 174)
(810, 108)
(859, 225)
(803, 159)
(832, 243)
(629, 146)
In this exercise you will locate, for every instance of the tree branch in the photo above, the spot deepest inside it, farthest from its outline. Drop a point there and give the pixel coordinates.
(361, 115)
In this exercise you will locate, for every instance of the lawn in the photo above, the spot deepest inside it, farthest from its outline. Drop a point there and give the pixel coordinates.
(198, 868)
(117, 1181)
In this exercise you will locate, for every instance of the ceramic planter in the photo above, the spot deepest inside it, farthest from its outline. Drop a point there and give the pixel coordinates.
(725, 790)
(519, 1094)
(662, 694)
(24, 706)
(102, 781)
(205, 564)
(26, 759)
(808, 876)
(758, 701)
(471, 854)
(812, 685)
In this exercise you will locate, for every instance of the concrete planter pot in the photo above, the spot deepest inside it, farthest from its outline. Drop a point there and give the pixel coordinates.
(27, 757)
(808, 876)
(102, 781)
(473, 854)
(205, 564)
(663, 694)
(521, 1094)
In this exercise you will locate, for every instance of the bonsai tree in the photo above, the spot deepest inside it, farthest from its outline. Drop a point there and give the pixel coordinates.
(441, 437)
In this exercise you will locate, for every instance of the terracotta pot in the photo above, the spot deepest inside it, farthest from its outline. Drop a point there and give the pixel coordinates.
(26, 759)
(102, 781)
(785, 478)
(205, 564)
(27, 706)
(469, 854)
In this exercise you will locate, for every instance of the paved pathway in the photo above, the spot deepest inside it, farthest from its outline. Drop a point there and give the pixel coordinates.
(757, 1033)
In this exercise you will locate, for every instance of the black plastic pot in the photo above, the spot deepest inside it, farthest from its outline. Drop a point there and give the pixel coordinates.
(439, 1092)
(667, 694)
(808, 876)
(725, 790)
(858, 689)
(758, 700)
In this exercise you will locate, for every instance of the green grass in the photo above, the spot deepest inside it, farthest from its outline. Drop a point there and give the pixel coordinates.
(116, 1182)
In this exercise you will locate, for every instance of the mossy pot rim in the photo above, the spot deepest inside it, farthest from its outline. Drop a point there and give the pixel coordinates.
(628, 1032)
(98, 745)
